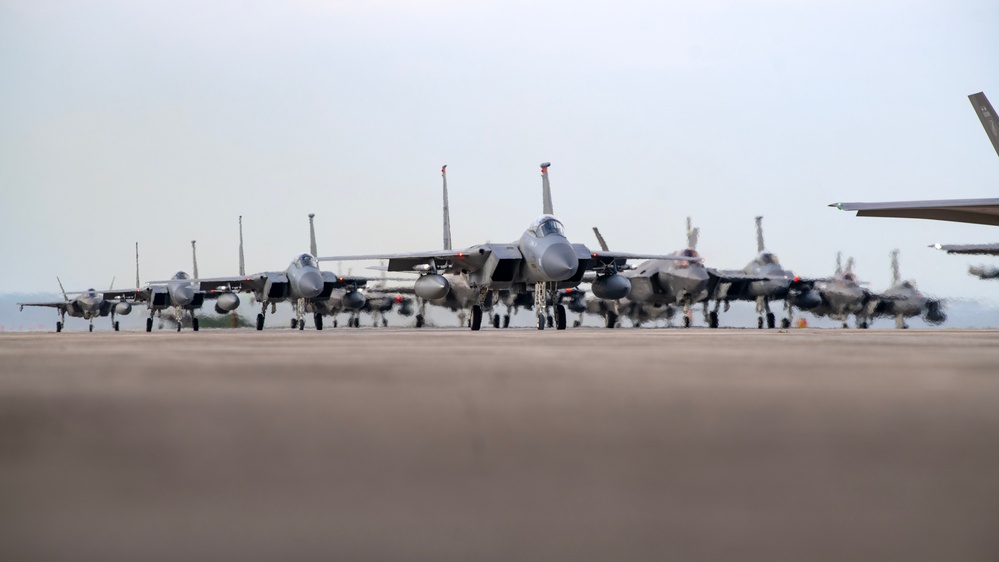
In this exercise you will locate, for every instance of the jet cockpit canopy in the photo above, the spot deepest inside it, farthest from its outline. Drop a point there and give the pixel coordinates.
(547, 224)
(181, 275)
(306, 260)
(766, 258)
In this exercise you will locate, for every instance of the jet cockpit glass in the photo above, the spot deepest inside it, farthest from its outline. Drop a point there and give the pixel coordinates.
(850, 277)
(547, 224)
(687, 253)
(181, 275)
(306, 260)
(767, 258)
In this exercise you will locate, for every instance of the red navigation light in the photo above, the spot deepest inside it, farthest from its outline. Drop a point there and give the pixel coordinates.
(595, 255)
(796, 278)
(569, 290)
(398, 298)
(460, 254)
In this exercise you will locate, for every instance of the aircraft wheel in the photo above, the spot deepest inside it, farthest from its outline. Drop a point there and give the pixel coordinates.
(496, 321)
(319, 321)
(301, 325)
(117, 327)
(541, 321)
(611, 319)
(576, 323)
(357, 322)
(771, 320)
(58, 326)
(91, 327)
(560, 319)
(863, 325)
(178, 326)
(149, 324)
(334, 322)
(506, 320)
(419, 320)
(712, 319)
(260, 322)
(686, 321)
(384, 322)
(294, 323)
(476, 317)
(759, 323)
(785, 323)
(194, 324)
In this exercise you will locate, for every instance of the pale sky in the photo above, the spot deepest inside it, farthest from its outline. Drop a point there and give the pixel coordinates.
(162, 122)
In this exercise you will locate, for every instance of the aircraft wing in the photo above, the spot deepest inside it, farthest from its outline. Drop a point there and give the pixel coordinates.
(969, 249)
(975, 211)
(61, 305)
(471, 259)
(245, 284)
(135, 294)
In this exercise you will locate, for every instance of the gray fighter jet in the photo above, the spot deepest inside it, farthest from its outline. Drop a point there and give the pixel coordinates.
(543, 257)
(843, 295)
(87, 304)
(774, 284)
(903, 300)
(679, 282)
(178, 296)
(302, 283)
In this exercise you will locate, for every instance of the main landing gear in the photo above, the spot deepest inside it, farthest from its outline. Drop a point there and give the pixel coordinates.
(476, 317)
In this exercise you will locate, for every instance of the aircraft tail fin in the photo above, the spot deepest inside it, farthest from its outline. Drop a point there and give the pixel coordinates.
(111, 287)
(137, 285)
(692, 235)
(242, 265)
(66, 298)
(987, 116)
(895, 275)
(312, 235)
(600, 240)
(759, 235)
(194, 258)
(447, 211)
(546, 189)
(839, 263)
(849, 265)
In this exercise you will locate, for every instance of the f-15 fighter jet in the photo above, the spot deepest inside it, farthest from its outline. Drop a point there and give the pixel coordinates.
(543, 257)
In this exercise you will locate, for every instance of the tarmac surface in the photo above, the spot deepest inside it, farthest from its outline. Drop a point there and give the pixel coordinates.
(587, 444)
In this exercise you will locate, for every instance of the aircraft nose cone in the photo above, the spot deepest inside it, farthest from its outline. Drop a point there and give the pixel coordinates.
(559, 262)
(183, 295)
(311, 284)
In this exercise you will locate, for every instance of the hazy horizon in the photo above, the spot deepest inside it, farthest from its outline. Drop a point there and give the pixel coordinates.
(159, 124)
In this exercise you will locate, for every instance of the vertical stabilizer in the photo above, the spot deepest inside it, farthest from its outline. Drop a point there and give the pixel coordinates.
(111, 287)
(242, 265)
(895, 276)
(692, 235)
(137, 265)
(759, 235)
(546, 189)
(987, 116)
(600, 240)
(66, 298)
(312, 235)
(849, 265)
(194, 258)
(447, 211)
(839, 263)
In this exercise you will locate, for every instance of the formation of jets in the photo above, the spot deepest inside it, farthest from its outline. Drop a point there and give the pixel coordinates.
(545, 272)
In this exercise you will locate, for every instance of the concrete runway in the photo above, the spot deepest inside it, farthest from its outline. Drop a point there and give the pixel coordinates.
(587, 444)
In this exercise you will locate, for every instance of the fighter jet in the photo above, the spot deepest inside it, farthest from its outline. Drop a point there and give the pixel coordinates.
(902, 300)
(178, 296)
(543, 257)
(843, 295)
(658, 286)
(774, 283)
(302, 283)
(87, 304)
